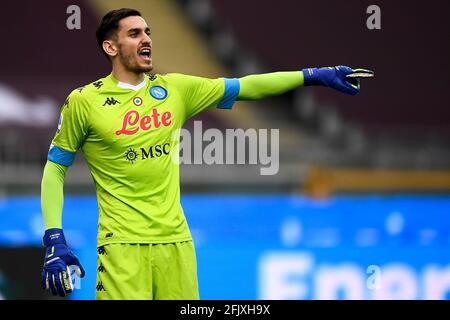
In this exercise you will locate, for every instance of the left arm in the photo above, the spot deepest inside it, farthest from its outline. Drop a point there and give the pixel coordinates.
(260, 86)
(341, 78)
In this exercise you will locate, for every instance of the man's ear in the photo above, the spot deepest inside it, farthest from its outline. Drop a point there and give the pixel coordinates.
(110, 48)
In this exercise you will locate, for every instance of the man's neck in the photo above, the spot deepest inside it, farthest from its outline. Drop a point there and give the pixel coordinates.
(127, 76)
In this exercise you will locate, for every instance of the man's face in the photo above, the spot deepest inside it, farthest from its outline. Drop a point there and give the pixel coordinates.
(134, 44)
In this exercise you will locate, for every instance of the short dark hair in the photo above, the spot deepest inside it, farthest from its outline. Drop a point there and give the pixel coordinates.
(110, 24)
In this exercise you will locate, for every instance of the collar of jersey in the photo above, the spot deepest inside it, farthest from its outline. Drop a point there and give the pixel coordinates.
(137, 87)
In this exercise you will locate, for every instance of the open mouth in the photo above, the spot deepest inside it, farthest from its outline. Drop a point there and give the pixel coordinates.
(145, 53)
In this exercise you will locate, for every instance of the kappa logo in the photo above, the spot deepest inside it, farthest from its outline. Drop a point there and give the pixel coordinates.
(158, 92)
(100, 286)
(101, 250)
(101, 268)
(111, 102)
(98, 84)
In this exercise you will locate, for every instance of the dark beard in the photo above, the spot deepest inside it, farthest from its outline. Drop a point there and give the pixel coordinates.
(127, 62)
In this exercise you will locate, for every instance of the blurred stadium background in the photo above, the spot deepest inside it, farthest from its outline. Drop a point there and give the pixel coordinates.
(360, 208)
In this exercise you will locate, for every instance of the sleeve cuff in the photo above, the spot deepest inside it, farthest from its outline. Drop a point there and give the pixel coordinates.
(60, 156)
(230, 94)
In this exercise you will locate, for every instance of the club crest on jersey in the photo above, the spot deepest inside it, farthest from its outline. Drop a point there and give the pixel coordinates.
(158, 92)
(137, 101)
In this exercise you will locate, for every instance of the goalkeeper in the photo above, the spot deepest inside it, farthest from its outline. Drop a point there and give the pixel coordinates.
(124, 124)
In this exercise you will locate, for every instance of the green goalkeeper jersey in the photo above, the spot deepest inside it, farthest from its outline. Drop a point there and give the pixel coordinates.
(129, 136)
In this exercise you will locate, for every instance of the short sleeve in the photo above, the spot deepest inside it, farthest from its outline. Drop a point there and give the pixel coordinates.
(200, 94)
(72, 130)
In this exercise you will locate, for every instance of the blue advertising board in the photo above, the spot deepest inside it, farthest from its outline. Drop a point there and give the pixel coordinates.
(282, 246)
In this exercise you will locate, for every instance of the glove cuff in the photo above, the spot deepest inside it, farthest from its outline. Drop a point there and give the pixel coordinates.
(310, 77)
(53, 236)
